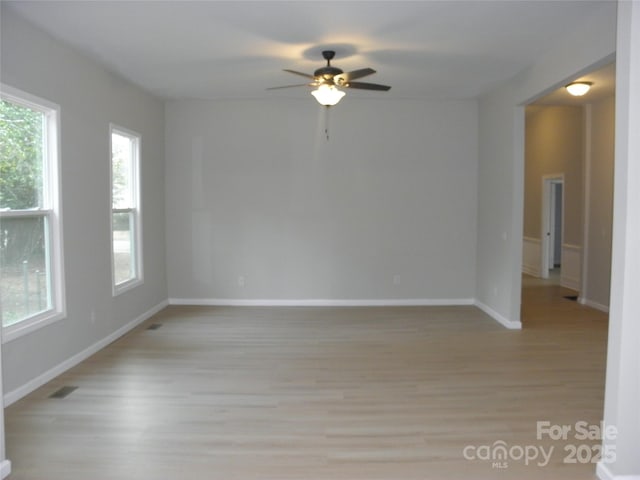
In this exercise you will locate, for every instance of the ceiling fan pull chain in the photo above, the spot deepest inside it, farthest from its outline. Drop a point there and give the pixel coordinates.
(326, 122)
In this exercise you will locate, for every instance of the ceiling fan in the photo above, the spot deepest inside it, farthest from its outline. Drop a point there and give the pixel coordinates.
(329, 78)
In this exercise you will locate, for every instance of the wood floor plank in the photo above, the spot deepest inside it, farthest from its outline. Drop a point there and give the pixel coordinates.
(319, 393)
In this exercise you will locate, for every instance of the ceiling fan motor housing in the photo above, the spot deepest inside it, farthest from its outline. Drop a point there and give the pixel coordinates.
(327, 73)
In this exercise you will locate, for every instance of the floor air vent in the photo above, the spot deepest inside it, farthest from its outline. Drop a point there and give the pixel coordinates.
(62, 392)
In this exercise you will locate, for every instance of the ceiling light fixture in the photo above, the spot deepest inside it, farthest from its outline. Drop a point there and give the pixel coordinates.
(577, 89)
(327, 95)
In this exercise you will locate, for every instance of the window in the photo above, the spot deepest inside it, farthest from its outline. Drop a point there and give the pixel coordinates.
(126, 242)
(31, 277)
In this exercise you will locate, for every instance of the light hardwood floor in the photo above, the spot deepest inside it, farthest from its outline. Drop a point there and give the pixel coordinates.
(319, 393)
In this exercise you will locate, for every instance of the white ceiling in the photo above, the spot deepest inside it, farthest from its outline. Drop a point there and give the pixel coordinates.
(234, 49)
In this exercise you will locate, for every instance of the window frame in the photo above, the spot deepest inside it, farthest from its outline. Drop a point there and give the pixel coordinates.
(135, 211)
(51, 212)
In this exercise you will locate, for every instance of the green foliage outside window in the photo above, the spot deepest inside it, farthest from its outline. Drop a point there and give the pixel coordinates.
(24, 287)
(21, 136)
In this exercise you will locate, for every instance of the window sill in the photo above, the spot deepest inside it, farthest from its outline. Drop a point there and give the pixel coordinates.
(31, 325)
(126, 286)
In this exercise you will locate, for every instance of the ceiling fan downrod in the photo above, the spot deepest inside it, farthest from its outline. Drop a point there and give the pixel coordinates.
(328, 56)
(327, 73)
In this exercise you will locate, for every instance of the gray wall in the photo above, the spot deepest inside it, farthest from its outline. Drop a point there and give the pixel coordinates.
(600, 202)
(254, 189)
(89, 98)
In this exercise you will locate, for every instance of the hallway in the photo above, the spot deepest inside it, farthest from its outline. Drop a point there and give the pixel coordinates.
(544, 303)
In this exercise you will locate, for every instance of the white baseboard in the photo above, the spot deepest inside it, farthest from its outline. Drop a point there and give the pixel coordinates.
(52, 373)
(408, 302)
(419, 302)
(604, 473)
(5, 468)
(590, 303)
(510, 324)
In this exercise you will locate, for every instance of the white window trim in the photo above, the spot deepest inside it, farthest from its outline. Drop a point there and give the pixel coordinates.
(53, 214)
(120, 288)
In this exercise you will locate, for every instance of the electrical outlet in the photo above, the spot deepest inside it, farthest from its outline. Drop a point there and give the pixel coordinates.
(241, 281)
(93, 316)
(396, 279)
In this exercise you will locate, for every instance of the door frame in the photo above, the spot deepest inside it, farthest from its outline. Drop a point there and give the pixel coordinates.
(548, 232)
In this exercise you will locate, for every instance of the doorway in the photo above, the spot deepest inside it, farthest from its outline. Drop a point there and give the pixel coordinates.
(568, 191)
(552, 225)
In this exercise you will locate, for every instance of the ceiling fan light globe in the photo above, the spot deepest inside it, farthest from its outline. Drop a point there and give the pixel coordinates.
(327, 95)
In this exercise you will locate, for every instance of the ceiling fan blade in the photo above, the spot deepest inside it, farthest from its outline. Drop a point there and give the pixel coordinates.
(291, 86)
(368, 86)
(346, 77)
(300, 73)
